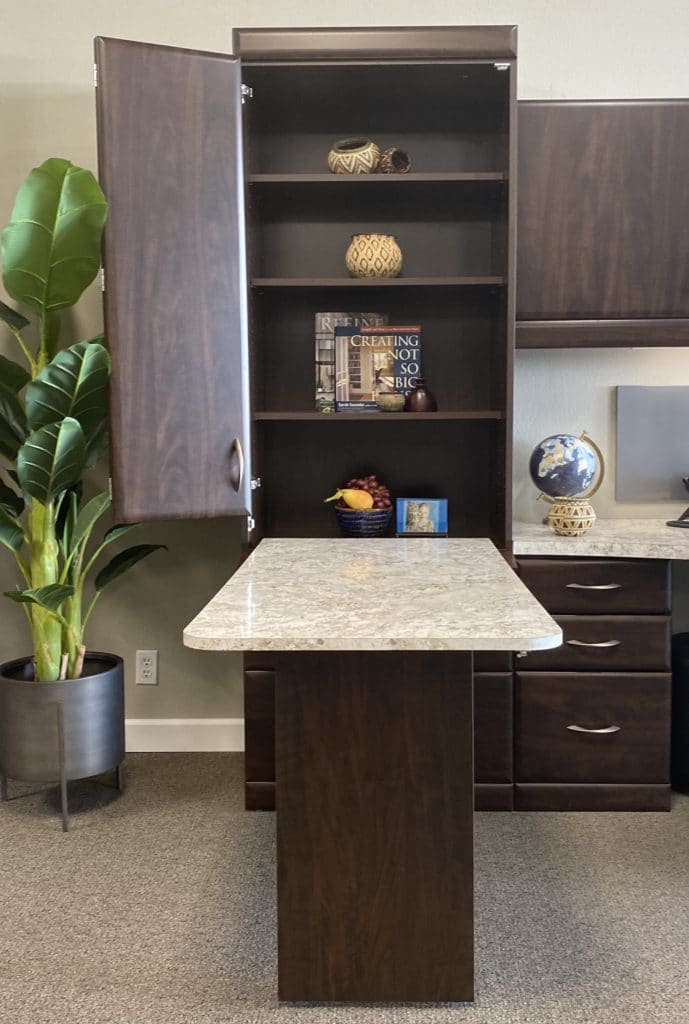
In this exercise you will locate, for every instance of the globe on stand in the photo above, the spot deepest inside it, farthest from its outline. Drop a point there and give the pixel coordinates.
(564, 467)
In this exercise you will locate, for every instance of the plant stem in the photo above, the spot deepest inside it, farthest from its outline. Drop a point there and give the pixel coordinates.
(43, 555)
(50, 335)
(29, 358)
(73, 630)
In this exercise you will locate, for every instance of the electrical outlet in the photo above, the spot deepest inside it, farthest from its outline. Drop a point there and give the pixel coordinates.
(146, 668)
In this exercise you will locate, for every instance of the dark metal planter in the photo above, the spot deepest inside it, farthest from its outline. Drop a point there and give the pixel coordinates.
(62, 730)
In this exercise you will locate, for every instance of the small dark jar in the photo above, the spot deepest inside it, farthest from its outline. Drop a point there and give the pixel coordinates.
(420, 399)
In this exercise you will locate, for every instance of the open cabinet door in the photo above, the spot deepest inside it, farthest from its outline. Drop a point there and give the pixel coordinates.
(171, 167)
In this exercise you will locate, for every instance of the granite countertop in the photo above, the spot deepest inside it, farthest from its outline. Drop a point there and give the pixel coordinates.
(373, 594)
(608, 538)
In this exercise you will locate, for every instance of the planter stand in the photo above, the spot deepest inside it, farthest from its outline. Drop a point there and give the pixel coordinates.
(62, 730)
(65, 808)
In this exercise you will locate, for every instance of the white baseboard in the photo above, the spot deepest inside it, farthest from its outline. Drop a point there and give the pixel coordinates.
(184, 734)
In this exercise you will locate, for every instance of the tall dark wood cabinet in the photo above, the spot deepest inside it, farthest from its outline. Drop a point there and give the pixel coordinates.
(227, 233)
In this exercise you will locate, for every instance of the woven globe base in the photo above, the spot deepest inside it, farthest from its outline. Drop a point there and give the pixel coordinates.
(571, 517)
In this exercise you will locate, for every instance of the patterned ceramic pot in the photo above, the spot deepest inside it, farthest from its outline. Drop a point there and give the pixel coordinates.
(354, 156)
(394, 161)
(374, 255)
(571, 517)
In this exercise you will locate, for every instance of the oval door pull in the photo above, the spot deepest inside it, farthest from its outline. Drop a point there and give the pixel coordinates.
(597, 643)
(601, 732)
(236, 464)
(594, 586)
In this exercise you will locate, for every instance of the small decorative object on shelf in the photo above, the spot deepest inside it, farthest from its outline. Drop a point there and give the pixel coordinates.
(420, 399)
(570, 517)
(394, 161)
(354, 156)
(364, 507)
(374, 255)
(563, 467)
(390, 402)
(419, 517)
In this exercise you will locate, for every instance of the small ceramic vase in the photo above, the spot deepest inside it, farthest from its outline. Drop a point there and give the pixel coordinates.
(374, 255)
(354, 156)
(420, 399)
(571, 517)
(394, 161)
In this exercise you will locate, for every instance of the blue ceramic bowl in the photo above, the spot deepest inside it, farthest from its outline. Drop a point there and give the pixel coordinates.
(372, 522)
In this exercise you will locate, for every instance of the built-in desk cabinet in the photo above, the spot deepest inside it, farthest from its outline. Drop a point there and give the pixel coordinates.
(592, 717)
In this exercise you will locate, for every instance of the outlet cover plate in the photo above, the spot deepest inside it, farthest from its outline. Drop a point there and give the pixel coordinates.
(146, 668)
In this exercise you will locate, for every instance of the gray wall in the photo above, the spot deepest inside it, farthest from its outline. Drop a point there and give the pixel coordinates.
(566, 49)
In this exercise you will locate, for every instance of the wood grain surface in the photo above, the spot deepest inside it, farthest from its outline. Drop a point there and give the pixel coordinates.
(603, 207)
(375, 834)
(170, 164)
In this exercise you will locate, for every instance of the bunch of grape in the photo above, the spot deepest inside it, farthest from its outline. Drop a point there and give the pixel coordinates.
(379, 492)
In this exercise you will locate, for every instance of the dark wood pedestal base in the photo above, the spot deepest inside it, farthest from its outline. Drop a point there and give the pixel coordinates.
(375, 826)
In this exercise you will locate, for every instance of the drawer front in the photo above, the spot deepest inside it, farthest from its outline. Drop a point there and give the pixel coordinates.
(631, 712)
(598, 586)
(607, 643)
(493, 727)
(259, 725)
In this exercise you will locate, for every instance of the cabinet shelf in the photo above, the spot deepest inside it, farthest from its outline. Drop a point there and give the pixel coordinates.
(474, 414)
(360, 180)
(379, 282)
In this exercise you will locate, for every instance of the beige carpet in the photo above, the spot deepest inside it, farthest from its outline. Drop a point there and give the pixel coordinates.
(159, 908)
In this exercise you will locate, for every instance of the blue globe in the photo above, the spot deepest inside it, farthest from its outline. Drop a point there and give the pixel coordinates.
(563, 466)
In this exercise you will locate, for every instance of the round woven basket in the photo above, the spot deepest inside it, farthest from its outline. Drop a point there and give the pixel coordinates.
(571, 517)
(370, 522)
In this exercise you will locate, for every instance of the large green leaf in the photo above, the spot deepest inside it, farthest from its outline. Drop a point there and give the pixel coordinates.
(123, 561)
(13, 377)
(11, 534)
(89, 515)
(50, 597)
(51, 247)
(51, 459)
(12, 318)
(10, 501)
(73, 384)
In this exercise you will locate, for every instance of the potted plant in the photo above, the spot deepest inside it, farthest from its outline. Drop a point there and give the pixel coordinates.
(61, 709)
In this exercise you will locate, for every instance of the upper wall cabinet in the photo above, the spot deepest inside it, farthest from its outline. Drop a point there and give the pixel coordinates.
(171, 165)
(603, 249)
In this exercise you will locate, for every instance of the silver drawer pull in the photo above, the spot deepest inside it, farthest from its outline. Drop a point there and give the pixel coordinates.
(594, 586)
(608, 729)
(598, 643)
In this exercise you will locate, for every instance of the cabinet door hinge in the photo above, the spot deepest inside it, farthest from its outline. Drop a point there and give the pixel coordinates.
(110, 487)
(250, 523)
(247, 93)
(95, 76)
(102, 279)
(255, 483)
